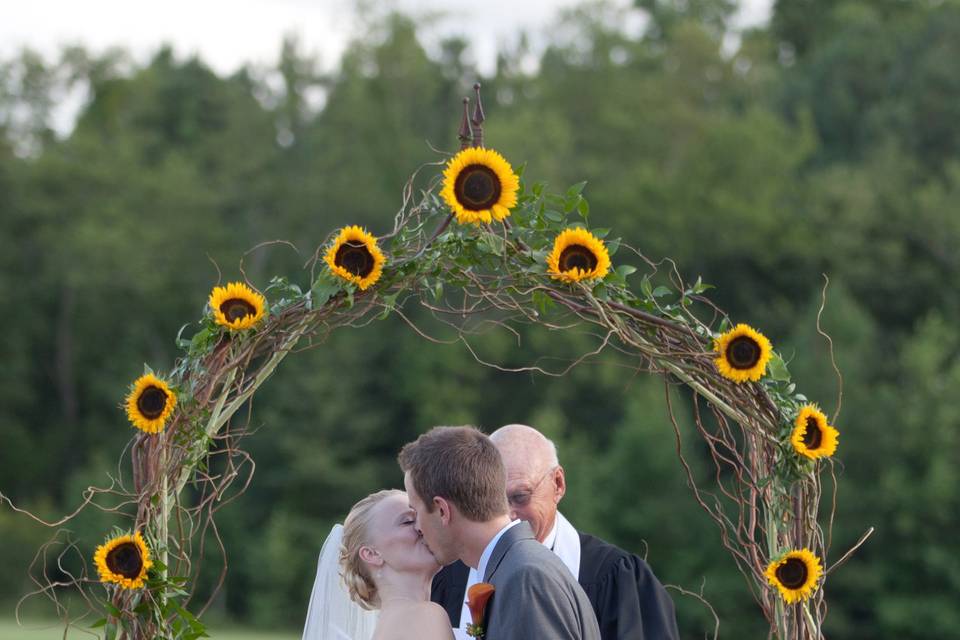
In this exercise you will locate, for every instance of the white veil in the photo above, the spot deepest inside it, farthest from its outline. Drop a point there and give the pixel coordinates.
(332, 615)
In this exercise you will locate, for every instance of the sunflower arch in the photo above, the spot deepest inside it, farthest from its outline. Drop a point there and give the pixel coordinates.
(528, 256)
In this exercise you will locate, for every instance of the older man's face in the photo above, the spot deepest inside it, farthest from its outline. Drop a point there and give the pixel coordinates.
(533, 493)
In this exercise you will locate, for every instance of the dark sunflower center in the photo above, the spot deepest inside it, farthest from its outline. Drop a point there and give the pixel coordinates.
(151, 402)
(237, 309)
(355, 257)
(793, 573)
(813, 435)
(743, 352)
(477, 187)
(125, 560)
(577, 256)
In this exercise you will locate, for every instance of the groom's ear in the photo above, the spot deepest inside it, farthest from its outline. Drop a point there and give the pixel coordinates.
(443, 507)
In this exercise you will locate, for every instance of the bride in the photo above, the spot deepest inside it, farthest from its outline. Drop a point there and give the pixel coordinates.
(386, 571)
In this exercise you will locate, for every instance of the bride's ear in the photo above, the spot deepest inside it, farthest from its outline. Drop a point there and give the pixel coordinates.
(371, 556)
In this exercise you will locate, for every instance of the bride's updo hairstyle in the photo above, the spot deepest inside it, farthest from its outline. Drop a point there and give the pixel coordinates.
(355, 572)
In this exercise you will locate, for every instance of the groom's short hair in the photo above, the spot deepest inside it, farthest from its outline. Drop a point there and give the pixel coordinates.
(459, 464)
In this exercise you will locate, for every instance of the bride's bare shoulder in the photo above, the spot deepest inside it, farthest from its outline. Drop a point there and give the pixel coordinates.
(428, 619)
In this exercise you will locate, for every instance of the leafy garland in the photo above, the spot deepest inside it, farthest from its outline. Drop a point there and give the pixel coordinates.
(528, 256)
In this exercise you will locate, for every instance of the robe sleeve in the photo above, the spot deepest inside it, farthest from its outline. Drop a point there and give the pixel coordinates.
(449, 590)
(631, 603)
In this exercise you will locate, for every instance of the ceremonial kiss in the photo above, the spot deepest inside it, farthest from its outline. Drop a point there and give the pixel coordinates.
(476, 547)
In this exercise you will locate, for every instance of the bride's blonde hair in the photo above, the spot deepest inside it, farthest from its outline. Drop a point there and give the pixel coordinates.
(355, 572)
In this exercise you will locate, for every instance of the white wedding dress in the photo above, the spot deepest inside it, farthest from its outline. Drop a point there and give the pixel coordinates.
(332, 615)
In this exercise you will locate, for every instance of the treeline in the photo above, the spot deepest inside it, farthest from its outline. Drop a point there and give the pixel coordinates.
(825, 143)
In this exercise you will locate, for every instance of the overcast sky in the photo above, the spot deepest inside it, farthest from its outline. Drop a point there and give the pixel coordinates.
(229, 33)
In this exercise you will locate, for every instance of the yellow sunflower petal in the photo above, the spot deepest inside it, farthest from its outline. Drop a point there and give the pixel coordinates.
(123, 560)
(479, 185)
(795, 575)
(355, 257)
(742, 354)
(578, 255)
(150, 403)
(237, 306)
(812, 437)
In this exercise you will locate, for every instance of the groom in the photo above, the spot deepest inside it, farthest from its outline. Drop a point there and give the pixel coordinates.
(454, 478)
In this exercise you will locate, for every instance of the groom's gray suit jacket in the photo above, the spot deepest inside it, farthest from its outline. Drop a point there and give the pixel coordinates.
(535, 595)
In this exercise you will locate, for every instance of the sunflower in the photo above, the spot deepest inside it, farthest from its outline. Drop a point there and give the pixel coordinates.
(480, 186)
(237, 306)
(150, 403)
(742, 353)
(124, 560)
(578, 255)
(795, 574)
(355, 257)
(812, 436)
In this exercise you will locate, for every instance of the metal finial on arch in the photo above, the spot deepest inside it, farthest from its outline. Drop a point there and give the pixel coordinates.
(478, 118)
(464, 134)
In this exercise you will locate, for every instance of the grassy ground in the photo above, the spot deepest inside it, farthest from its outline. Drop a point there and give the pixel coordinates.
(35, 631)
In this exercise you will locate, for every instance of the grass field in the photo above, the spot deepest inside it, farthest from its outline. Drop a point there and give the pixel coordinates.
(35, 631)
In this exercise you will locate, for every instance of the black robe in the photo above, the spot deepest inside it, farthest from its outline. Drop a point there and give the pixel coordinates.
(629, 601)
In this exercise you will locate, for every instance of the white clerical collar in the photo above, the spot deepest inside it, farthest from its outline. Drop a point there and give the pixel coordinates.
(488, 551)
(551, 538)
(564, 540)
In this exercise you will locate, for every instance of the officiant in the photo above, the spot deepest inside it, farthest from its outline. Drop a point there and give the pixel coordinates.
(629, 601)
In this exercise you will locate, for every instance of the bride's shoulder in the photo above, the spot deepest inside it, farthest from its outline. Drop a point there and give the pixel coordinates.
(427, 617)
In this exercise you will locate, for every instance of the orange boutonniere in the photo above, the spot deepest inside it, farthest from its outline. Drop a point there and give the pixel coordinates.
(478, 596)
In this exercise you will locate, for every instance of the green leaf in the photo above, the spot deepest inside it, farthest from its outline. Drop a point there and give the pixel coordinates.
(495, 244)
(700, 286)
(553, 216)
(99, 623)
(626, 269)
(180, 341)
(322, 290)
(542, 301)
(661, 291)
(602, 232)
(584, 208)
(612, 246)
(389, 303)
(576, 189)
(777, 369)
(646, 287)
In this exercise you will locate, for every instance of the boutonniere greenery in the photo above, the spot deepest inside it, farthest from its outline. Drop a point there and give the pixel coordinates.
(478, 597)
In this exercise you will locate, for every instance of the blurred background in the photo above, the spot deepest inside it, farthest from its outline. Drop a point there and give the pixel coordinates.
(759, 146)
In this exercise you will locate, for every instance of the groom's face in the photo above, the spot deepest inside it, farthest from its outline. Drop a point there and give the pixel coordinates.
(430, 525)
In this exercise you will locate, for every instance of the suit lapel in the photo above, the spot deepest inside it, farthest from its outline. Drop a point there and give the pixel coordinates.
(510, 537)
